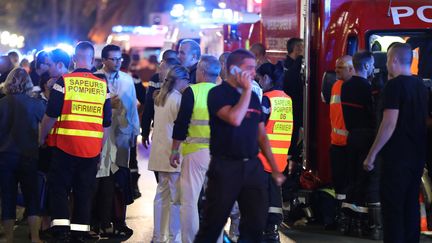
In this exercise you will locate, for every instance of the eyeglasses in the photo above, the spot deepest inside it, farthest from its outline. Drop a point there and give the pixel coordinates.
(115, 59)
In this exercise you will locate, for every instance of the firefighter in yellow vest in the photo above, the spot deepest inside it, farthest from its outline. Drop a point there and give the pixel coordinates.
(338, 136)
(77, 112)
(191, 128)
(277, 107)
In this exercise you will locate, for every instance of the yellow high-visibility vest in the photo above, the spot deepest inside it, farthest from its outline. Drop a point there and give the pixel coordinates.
(199, 129)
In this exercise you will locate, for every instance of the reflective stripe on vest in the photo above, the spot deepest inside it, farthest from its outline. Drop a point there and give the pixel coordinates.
(78, 131)
(279, 129)
(339, 133)
(199, 129)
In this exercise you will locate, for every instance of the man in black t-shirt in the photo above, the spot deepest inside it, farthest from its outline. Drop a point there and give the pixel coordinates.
(237, 132)
(359, 118)
(293, 87)
(402, 139)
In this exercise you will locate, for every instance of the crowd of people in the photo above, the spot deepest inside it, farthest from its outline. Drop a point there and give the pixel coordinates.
(224, 135)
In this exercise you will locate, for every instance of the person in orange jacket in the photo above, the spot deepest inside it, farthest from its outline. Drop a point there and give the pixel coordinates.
(338, 136)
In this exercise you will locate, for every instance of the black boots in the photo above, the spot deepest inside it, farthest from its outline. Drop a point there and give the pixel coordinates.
(357, 226)
(271, 234)
(343, 221)
(375, 223)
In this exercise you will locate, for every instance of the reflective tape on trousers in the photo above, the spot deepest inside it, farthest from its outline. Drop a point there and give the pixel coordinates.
(60, 222)
(80, 227)
(354, 208)
(275, 210)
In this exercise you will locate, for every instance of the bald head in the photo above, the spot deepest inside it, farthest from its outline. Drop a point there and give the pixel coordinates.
(399, 60)
(344, 68)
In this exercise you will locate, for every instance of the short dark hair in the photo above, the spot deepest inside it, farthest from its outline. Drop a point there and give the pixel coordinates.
(13, 54)
(85, 45)
(40, 58)
(403, 52)
(58, 55)
(237, 57)
(291, 43)
(361, 58)
(259, 47)
(268, 69)
(107, 49)
(169, 54)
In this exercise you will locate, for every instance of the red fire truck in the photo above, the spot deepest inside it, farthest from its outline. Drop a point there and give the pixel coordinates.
(331, 28)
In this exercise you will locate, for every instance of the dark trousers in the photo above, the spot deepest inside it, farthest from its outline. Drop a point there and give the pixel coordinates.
(363, 186)
(400, 204)
(103, 202)
(68, 173)
(275, 213)
(339, 165)
(123, 195)
(133, 166)
(228, 181)
(16, 169)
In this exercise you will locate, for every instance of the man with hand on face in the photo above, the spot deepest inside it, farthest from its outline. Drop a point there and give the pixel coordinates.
(359, 118)
(237, 132)
(189, 54)
(122, 134)
(77, 114)
(401, 139)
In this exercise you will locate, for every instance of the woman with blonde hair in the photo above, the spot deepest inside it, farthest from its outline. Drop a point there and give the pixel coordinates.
(20, 116)
(167, 200)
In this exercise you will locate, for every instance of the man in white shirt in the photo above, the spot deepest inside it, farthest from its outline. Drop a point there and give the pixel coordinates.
(114, 168)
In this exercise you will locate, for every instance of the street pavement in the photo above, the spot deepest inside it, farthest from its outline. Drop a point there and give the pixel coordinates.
(140, 217)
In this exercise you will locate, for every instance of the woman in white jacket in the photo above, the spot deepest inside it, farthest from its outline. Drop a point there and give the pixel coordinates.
(166, 201)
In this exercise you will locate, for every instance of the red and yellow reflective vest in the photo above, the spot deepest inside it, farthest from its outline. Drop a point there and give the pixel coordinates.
(78, 130)
(279, 129)
(339, 133)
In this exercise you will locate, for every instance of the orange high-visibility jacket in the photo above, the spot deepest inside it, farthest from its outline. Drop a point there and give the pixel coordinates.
(339, 133)
(78, 131)
(279, 128)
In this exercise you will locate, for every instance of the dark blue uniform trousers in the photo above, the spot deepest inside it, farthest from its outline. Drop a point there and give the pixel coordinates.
(71, 177)
(228, 181)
